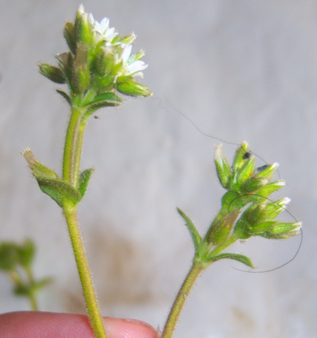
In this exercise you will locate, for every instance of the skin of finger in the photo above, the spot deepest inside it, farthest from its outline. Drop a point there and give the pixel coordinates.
(60, 325)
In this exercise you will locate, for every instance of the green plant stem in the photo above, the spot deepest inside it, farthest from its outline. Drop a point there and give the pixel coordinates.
(32, 294)
(180, 299)
(73, 147)
(83, 270)
(71, 167)
(33, 301)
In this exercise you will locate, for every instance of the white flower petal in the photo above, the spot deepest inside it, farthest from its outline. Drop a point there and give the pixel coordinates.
(126, 53)
(91, 19)
(136, 66)
(104, 25)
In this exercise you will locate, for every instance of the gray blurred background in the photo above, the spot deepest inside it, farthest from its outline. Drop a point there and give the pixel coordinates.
(239, 70)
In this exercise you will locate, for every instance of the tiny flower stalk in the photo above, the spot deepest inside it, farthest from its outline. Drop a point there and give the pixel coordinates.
(97, 66)
(246, 211)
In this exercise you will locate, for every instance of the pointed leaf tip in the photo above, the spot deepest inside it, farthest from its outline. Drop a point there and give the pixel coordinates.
(237, 257)
(192, 229)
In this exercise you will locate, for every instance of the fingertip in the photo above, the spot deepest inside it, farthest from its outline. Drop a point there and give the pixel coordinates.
(128, 328)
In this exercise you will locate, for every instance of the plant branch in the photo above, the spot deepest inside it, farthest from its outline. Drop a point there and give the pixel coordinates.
(180, 300)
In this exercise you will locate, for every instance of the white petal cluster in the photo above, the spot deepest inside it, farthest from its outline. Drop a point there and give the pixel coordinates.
(120, 47)
(102, 30)
(133, 68)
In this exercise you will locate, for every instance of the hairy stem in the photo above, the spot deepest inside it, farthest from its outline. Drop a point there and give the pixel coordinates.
(180, 300)
(73, 147)
(84, 273)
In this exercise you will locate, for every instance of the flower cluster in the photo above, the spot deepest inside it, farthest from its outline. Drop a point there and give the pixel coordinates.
(246, 209)
(251, 186)
(99, 62)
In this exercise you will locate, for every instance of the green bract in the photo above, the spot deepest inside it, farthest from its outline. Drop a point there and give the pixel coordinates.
(246, 209)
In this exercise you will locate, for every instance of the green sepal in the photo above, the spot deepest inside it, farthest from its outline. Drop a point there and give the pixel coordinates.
(240, 258)
(66, 63)
(26, 253)
(132, 88)
(105, 98)
(65, 96)
(264, 226)
(242, 230)
(246, 171)
(267, 171)
(104, 63)
(104, 83)
(223, 168)
(52, 73)
(128, 39)
(282, 228)
(192, 229)
(70, 36)
(282, 231)
(84, 178)
(139, 55)
(124, 78)
(234, 200)
(59, 190)
(81, 76)
(253, 185)
(8, 256)
(269, 188)
(241, 156)
(38, 169)
(83, 28)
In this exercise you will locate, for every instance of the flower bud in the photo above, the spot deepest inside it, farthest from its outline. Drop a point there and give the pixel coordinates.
(70, 36)
(52, 73)
(81, 74)
(83, 27)
(242, 154)
(282, 230)
(223, 168)
(133, 88)
(266, 171)
(221, 231)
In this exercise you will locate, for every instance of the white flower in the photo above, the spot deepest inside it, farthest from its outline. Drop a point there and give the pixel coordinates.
(102, 30)
(131, 68)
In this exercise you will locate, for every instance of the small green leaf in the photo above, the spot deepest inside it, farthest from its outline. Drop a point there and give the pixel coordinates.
(240, 258)
(22, 289)
(65, 96)
(26, 253)
(8, 256)
(38, 285)
(59, 190)
(84, 178)
(192, 229)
